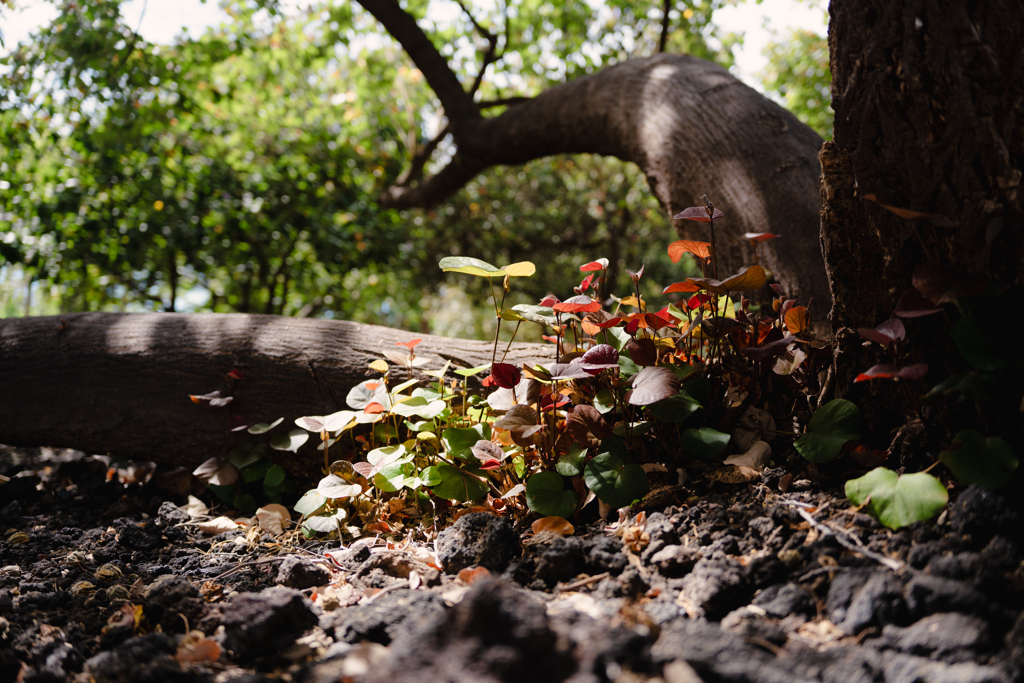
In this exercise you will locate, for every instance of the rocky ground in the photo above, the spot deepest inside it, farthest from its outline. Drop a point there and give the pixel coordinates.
(102, 582)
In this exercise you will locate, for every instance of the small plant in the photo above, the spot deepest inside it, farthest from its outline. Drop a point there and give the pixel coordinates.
(629, 389)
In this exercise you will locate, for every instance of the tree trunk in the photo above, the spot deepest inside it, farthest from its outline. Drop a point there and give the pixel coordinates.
(119, 383)
(928, 99)
(690, 126)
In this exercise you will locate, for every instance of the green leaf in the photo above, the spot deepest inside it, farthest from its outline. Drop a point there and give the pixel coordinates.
(275, 476)
(979, 348)
(897, 501)
(333, 486)
(455, 484)
(973, 459)
(256, 470)
(704, 442)
(244, 503)
(674, 408)
(393, 477)
(264, 427)
(546, 495)
(571, 464)
(310, 502)
(616, 483)
(469, 372)
(604, 400)
(245, 455)
(290, 441)
(326, 523)
(419, 406)
(470, 266)
(459, 441)
(835, 423)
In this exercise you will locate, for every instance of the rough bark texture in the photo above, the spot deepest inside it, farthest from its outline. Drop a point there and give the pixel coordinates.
(119, 383)
(689, 125)
(929, 100)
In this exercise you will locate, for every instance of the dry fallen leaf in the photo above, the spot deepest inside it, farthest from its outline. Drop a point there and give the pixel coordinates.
(471, 574)
(734, 474)
(217, 525)
(558, 525)
(273, 518)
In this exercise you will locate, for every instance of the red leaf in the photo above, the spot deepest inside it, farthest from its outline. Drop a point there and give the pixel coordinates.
(888, 371)
(491, 464)
(913, 305)
(680, 287)
(697, 300)
(373, 408)
(594, 265)
(505, 375)
(635, 277)
(411, 344)
(578, 304)
(600, 357)
(886, 334)
(760, 236)
(699, 214)
(701, 250)
(552, 401)
(632, 326)
(236, 374)
(549, 301)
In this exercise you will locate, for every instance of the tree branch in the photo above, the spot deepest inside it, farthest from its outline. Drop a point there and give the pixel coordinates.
(664, 26)
(415, 170)
(458, 105)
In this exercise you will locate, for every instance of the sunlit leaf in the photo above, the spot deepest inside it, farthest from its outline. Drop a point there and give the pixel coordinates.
(599, 264)
(290, 441)
(264, 427)
(749, 279)
(470, 266)
(521, 269)
(797, 319)
(897, 501)
(554, 524)
(701, 250)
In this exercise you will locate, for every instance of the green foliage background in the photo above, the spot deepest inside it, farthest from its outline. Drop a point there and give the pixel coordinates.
(239, 170)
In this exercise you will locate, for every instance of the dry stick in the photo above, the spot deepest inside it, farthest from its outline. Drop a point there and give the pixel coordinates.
(584, 582)
(844, 538)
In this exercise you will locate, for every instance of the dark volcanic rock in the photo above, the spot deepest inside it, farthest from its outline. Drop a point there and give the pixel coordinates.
(496, 633)
(715, 586)
(384, 620)
(480, 539)
(169, 600)
(951, 638)
(264, 623)
(298, 572)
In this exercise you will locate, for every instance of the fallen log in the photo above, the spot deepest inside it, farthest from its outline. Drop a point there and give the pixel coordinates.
(119, 383)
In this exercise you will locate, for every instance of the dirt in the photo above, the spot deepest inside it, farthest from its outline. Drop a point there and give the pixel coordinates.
(735, 582)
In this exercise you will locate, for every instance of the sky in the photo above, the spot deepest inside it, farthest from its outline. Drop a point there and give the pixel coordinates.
(159, 21)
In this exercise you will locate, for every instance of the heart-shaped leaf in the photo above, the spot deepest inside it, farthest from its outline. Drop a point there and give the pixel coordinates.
(470, 266)
(600, 357)
(699, 214)
(327, 523)
(452, 483)
(701, 250)
(290, 441)
(974, 459)
(886, 334)
(651, 385)
(586, 426)
(546, 495)
(680, 287)
(835, 423)
(797, 319)
(748, 279)
(310, 502)
(912, 305)
(521, 269)
(897, 501)
(704, 442)
(577, 304)
(333, 486)
(263, 427)
(614, 481)
(642, 351)
(599, 264)
(459, 441)
(506, 375)
(571, 464)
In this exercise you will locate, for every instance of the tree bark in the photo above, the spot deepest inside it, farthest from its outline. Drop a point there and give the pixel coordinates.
(689, 125)
(119, 383)
(929, 100)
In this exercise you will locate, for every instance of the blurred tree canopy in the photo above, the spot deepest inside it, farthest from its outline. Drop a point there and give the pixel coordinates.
(239, 170)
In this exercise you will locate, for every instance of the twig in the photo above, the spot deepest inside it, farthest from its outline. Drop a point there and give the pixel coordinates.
(851, 542)
(401, 583)
(584, 582)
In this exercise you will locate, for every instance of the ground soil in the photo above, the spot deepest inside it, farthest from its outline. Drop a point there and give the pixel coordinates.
(729, 582)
